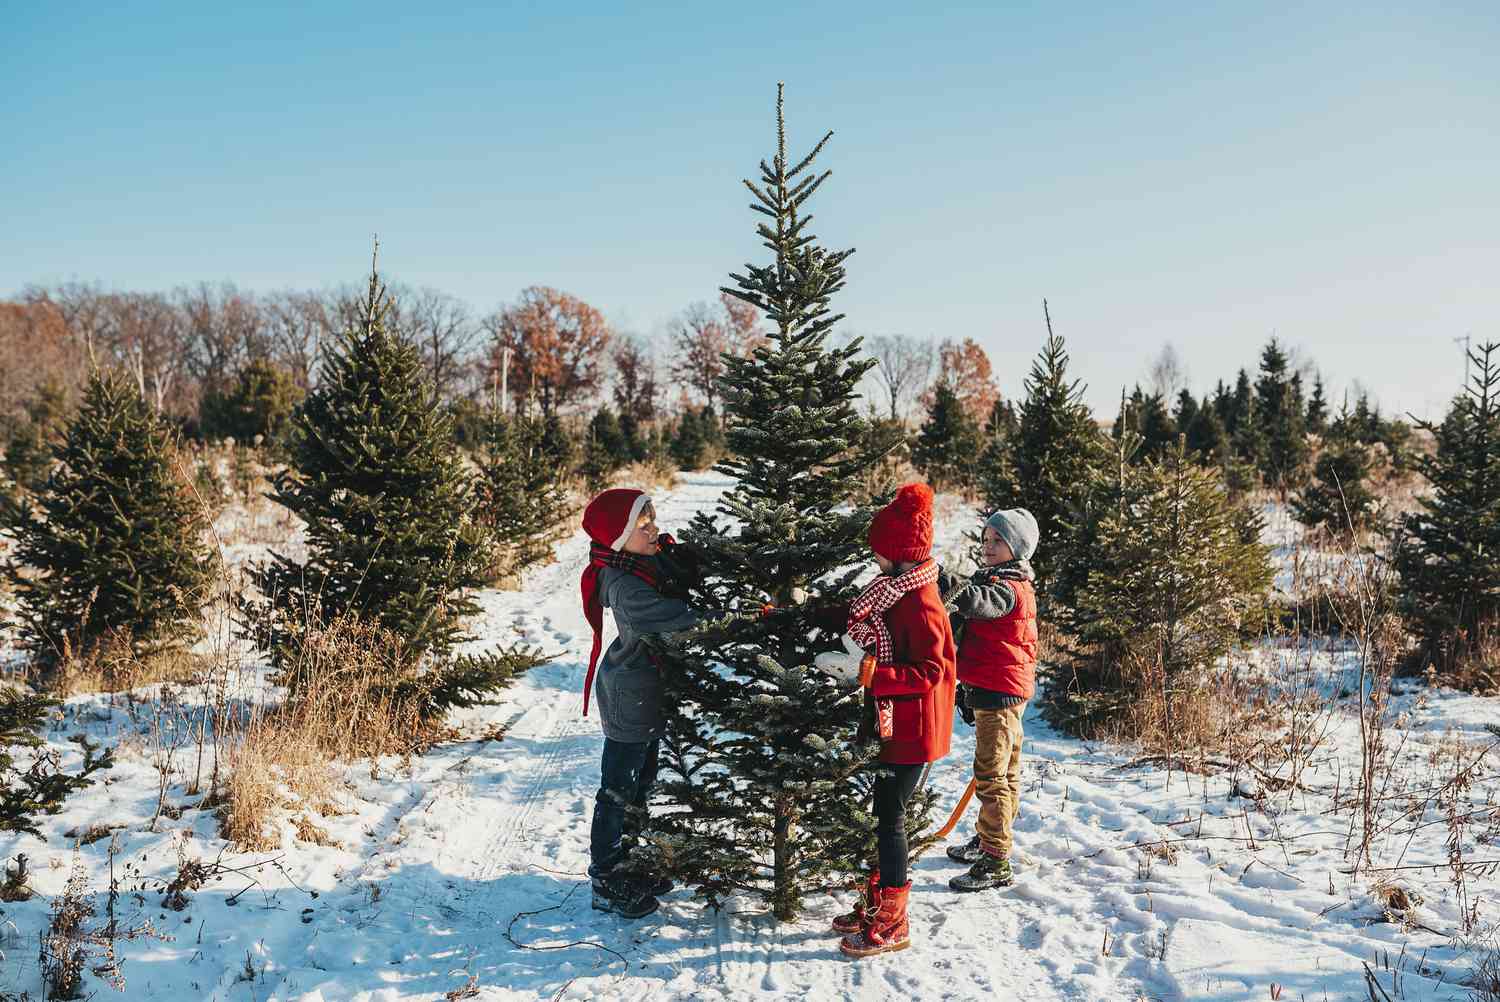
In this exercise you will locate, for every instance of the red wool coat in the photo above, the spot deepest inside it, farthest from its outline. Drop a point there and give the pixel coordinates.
(1000, 654)
(920, 679)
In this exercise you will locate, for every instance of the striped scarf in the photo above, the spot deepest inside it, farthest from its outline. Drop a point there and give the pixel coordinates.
(867, 611)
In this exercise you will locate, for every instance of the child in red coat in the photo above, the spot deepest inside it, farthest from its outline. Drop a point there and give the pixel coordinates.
(997, 676)
(900, 649)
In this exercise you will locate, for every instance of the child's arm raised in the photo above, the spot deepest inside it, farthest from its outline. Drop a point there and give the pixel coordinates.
(647, 610)
(984, 596)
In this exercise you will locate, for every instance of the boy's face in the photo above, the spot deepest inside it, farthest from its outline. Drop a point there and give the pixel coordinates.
(994, 549)
(642, 541)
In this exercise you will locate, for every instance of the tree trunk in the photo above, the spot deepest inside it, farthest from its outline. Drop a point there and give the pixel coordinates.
(784, 894)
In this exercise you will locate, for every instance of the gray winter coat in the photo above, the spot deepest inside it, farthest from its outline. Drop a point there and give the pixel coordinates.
(628, 686)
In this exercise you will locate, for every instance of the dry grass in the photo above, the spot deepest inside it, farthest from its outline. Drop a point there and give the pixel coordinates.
(112, 666)
(342, 708)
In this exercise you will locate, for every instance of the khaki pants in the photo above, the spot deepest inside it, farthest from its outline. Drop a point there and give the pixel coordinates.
(997, 769)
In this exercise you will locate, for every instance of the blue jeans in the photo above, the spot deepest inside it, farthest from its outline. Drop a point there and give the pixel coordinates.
(627, 771)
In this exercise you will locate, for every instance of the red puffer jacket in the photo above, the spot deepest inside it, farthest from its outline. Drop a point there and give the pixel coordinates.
(919, 681)
(1000, 654)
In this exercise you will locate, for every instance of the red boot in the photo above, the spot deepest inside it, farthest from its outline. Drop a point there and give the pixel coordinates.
(886, 929)
(853, 921)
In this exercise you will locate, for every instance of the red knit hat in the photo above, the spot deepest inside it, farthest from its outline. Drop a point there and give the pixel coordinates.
(610, 518)
(902, 530)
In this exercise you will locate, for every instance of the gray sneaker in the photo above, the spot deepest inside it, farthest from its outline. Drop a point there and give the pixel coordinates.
(968, 853)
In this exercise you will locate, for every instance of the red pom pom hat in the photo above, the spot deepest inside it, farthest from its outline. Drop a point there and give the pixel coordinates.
(902, 530)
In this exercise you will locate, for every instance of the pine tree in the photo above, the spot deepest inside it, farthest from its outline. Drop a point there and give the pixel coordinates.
(1057, 449)
(254, 408)
(1317, 408)
(634, 445)
(113, 537)
(1185, 410)
(1146, 415)
(764, 775)
(1171, 577)
(609, 438)
(1338, 497)
(379, 482)
(28, 453)
(520, 498)
(948, 443)
(1446, 554)
(1279, 420)
(1205, 435)
(42, 786)
(690, 446)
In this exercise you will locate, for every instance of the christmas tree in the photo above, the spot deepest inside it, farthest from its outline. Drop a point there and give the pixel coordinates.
(520, 497)
(1446, 553)
(1338, 499)
(763, 771)
(42, 786)
(1057, 450)
(113, 537)
(948, 443)
(1171, 577)
(254, 408)
(379, 482)
(1280, 421)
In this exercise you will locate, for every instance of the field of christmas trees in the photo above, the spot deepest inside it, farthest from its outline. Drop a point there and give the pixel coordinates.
(293, 681)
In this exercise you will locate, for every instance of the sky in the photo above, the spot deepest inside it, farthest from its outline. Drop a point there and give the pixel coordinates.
(1202, 175)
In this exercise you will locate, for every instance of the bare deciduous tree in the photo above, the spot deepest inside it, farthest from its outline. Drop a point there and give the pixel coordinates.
(1168, 375)
(902, 365)
(635, 379)
(297, 323)
(224, 328)
(700, 337)
(444, 331)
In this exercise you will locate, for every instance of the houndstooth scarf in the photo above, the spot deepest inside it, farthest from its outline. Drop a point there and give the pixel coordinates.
(867, 611)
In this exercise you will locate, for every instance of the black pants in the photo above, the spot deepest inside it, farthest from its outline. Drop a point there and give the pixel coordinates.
(627, 770)
(893, 788)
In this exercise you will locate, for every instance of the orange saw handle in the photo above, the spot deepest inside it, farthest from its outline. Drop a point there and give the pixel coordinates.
(958, 812)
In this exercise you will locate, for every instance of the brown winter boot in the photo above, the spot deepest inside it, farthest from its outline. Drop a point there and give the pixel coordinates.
(886, 929)
(853, 921)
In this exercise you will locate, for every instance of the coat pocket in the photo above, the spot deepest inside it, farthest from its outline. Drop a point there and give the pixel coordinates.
(908, 722)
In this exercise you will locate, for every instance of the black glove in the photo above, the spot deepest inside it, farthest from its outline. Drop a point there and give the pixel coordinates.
(961, 700)
(681, 567)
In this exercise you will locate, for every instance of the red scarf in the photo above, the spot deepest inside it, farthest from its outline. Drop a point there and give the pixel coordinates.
(600, 557)
(867, 611)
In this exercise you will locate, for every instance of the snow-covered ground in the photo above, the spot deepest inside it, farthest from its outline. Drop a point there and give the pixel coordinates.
(465, 867)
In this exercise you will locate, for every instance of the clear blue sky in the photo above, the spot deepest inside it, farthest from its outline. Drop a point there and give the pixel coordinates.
(1200, 174)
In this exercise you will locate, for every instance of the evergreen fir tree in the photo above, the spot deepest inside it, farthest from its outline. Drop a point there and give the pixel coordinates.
(1146, 415)
(1185, 410)
(764, 774)
(254, 408)
(1338, 498)
(1205, 435)
(1057, 450)
(1240, 404)
(379, 482)
(948, 443)
(1002, 421)
(1170, 582)
(1446, 554)
(1317, 408)
(114, 540)
(690, 446)
(41, 787)
(609, 438)
(1279, 420)
(28, 453)
(520, 498)
(633, 444)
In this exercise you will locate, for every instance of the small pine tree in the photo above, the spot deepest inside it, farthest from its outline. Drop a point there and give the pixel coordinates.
(520, 498)
(113, 537)
(949, 442)
(763, 774)
(1338, 498)
(1279, 421)
(1057, 450)
(634, 445)
(608, 438)
(1205, 436)
(1317, 408)
(1146, 415)
(1171, 581)
(28, 453)
(378, 480)
(690, 445)
(254, 408)
(41, 787)
(1185, 410)
(1446, 552)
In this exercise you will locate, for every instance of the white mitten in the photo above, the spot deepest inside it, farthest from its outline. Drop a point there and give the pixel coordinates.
(842, 666)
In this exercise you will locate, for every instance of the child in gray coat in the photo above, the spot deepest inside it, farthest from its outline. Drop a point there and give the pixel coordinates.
(626, 574)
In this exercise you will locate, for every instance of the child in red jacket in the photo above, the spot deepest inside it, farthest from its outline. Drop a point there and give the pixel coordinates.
(997, 675)
(900, 649)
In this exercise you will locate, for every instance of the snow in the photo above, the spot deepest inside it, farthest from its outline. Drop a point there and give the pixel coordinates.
(467, 863)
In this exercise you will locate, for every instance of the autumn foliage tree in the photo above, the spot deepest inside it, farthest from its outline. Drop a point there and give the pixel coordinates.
(965, 368)
(557, 343)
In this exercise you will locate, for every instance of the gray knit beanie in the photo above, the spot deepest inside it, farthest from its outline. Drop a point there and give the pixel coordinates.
(1018, 528)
